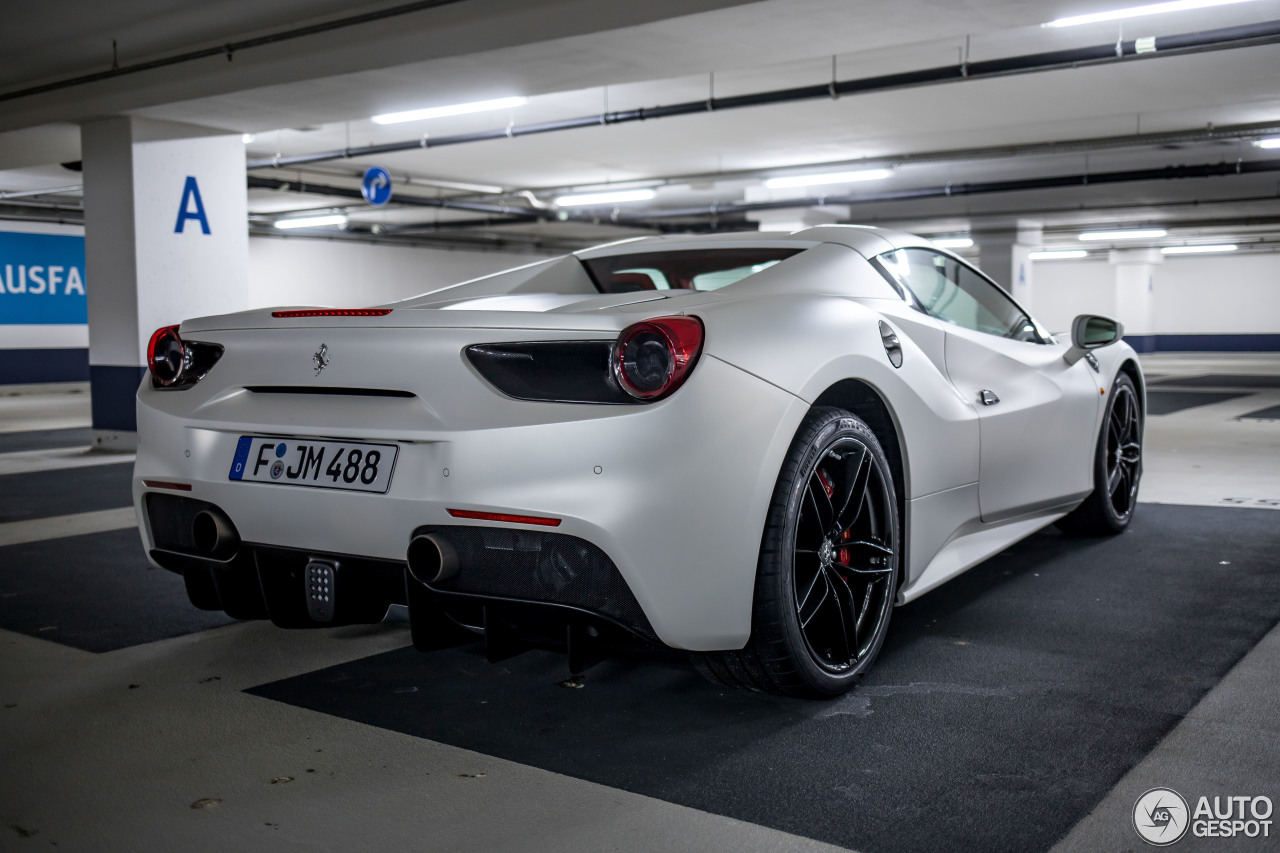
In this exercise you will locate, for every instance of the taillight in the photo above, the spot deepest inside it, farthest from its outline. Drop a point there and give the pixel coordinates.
(651, 359)
(166, 356)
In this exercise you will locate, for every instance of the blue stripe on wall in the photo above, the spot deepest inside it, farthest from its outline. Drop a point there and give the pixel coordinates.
(1204, 343)
(25, 366)
(1141, 343)
(114, 391)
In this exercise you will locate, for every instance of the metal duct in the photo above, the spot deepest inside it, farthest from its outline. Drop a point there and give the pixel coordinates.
(1084, 179)
(396, 198)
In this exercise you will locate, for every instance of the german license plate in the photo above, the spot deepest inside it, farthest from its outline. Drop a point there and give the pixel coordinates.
(321, 464)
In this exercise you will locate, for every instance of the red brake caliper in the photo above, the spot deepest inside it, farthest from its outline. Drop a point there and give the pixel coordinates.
(826, 483)
(842, 556)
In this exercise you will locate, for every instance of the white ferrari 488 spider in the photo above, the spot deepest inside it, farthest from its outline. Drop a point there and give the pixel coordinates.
(745, 446)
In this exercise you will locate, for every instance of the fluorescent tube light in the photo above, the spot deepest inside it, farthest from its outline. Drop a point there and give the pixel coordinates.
(312, 221)
(1198, 250)
(829, 178)
(604, 198)
(1058, 255)
(454, 110)
(1136, 234)
(953, 242)
(1140, 11)
(1273, 142)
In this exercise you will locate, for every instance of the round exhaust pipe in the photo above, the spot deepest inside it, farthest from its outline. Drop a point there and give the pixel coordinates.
(213, 534)
(432, 559)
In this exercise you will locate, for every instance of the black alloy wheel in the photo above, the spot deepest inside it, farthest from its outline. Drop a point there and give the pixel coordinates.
(1123, 450)
(840, 558)
(827, 576)
(1117, 467)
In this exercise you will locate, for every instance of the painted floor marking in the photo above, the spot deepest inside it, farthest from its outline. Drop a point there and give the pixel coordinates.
(58, 526)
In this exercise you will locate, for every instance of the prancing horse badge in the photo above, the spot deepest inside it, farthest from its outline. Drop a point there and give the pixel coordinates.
(321, 358)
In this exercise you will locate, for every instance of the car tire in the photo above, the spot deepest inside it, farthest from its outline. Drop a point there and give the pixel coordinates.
(828, 569)
(1117, 467)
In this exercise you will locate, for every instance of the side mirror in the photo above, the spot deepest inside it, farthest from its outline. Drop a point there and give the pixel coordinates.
(1089, 332)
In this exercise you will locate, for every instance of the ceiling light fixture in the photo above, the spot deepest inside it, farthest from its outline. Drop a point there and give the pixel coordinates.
(604, 198)
(1136, 234)
(312, 221)
(1273, 142)
(454, 110)
(953, 242)
(246, 138)
(829, 178)
(1198, 250)
(1058, 255)
(1140, 11)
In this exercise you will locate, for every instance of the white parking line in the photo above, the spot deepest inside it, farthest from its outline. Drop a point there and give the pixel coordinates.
(24, 461)
(58, 526)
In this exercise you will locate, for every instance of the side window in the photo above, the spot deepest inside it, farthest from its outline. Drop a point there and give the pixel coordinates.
(953, 292)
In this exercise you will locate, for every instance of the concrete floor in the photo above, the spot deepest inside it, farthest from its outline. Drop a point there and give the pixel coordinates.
(1210, 455)
(158, 747)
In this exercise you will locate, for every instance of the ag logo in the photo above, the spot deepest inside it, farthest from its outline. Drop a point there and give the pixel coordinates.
(1160, 816)
(321, 359)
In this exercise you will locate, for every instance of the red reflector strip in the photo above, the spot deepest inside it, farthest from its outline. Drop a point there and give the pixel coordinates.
(502, 516)
(161, 484)
(334, 312)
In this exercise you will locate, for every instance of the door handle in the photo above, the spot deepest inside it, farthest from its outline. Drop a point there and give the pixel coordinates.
(989, 398)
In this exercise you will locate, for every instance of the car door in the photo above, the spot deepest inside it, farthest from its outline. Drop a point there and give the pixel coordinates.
(1036, 413)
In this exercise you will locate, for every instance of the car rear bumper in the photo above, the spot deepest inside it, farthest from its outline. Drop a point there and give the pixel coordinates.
(673, 494)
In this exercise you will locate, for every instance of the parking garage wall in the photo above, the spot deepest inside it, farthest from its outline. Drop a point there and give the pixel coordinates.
(342, 274)
(43, 338)
(1206, 303)
(281, 272)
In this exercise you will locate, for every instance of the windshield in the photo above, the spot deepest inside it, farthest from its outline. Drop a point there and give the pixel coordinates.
(691, 269)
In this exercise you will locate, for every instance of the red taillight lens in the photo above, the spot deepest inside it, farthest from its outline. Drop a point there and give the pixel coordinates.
(506, 517)
(166, 356)
(333, 312)
(652, 359)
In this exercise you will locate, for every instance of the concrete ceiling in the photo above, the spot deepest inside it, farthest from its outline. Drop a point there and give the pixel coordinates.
(574, 57)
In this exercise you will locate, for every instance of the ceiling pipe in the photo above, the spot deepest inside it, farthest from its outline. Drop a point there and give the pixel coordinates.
(1200, 135)
(507, 212)
(515, 213)
(1225, 38)
(75, 188)
(229, 49)
(1084, 179)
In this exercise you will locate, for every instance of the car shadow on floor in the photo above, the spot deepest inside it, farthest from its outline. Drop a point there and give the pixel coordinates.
(1003, 708)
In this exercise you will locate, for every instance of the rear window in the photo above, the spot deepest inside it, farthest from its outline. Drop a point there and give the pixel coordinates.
(690, 269)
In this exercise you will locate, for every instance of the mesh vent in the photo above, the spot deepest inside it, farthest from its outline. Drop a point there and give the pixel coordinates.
(544, 567)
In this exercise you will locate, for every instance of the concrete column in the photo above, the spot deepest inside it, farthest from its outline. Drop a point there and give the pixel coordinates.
(1135, 294)
(166, 239)
(1003, 255)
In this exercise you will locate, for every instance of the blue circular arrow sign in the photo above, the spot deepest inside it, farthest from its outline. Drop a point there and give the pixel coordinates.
(376, 186)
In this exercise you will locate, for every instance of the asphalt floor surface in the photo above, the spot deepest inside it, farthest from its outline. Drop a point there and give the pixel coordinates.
(1003, 708)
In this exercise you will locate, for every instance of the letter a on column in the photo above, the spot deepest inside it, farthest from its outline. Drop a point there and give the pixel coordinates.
(190, 196)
